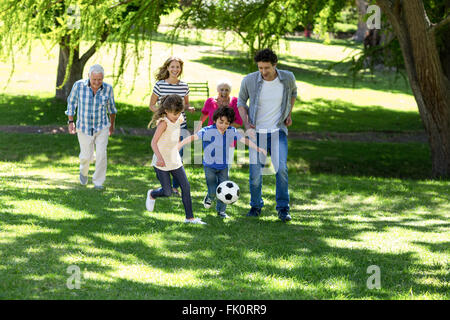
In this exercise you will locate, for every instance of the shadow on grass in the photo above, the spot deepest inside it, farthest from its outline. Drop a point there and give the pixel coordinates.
(34, 110)
(323, 115)
(240, 258)
(335, 42)
(316, 115)
(393, 160)
(314, 72)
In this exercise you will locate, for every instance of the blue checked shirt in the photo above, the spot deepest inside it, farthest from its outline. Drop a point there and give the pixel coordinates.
(92, 110)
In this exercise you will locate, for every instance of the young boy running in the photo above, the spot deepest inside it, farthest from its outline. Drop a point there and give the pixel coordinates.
(217, 140)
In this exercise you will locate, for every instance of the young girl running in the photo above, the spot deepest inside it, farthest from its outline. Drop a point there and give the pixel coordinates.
(166, 158)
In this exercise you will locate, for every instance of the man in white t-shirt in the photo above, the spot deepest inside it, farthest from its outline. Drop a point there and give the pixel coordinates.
(272, 93)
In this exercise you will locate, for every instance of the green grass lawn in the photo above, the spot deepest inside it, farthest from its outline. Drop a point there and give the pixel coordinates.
(343, 222)
(328, 101)
(353, 205)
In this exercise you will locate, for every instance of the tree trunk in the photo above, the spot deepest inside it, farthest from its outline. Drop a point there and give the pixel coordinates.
(362, 26)
(76, 72)
(76, 69)
(429, 83)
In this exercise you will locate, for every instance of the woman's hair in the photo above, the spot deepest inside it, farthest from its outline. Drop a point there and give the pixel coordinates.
(226, 112)
(223, 82)
(171, 103)
(163, 73)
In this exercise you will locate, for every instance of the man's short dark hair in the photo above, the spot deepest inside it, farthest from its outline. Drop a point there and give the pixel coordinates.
(266, 55)
(224, 112)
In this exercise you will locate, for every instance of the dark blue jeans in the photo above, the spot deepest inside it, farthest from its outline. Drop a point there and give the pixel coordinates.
(277, 146)
(166, 190)
(213, 178)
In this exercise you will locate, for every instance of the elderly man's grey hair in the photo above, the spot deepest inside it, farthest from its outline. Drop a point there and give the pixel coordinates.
(223, 82)
(96, 68)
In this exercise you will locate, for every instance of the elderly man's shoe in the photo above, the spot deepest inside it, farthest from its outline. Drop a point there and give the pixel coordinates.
(83, 179)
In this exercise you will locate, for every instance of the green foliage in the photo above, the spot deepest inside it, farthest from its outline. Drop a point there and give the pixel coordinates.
(327, 17)
(258, 23)
(67, 23)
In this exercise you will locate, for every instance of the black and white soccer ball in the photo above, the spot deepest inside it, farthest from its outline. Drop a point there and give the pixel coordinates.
(228, 192)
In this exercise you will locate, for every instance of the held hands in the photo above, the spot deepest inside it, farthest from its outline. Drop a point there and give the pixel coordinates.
(190, 109)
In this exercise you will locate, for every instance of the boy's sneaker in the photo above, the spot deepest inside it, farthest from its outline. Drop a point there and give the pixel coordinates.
(149, 203)
(222, 215)
(207, 202)
(194, 221)
(254, 212)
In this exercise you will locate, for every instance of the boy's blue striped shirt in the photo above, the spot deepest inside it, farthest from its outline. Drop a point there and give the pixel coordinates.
(92, 110)
(216, 147)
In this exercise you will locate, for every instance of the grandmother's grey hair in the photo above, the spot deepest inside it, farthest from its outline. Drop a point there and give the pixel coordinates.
(223, 82)
(96, 68)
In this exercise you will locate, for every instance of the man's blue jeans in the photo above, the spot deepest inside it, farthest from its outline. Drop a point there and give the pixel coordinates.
(277, 146)
(213, 178)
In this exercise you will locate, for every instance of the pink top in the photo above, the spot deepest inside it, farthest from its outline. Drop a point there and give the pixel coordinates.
(211, 106)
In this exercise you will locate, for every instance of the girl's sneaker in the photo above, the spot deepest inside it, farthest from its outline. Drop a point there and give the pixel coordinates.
(149, 203)
(194, 221)
(207, 202)
(222, 215)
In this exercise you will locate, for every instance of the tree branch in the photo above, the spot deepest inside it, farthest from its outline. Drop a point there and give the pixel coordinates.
(436, 26)
(93, 48)
(9, 8)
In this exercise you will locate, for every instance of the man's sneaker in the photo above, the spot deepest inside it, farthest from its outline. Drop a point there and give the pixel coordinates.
(207, 202)
(83, 179)
(99, 187)
(149, 203)
(222, 215)
(194, 221)
(254, 212)
(284, 215)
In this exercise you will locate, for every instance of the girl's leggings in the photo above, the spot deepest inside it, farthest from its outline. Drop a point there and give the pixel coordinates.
(166, 190)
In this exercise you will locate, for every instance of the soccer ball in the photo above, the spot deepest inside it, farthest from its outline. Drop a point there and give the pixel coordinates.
(227, 192)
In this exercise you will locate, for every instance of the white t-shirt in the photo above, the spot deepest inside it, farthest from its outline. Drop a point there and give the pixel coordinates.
(269, 105)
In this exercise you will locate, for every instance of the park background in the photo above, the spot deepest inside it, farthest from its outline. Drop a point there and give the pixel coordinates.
(359, 177)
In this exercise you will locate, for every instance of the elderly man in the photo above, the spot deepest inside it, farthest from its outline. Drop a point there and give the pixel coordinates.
(94, 100)
(272, 93)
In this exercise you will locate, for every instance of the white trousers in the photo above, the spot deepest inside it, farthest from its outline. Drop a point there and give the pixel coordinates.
(100, 139)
